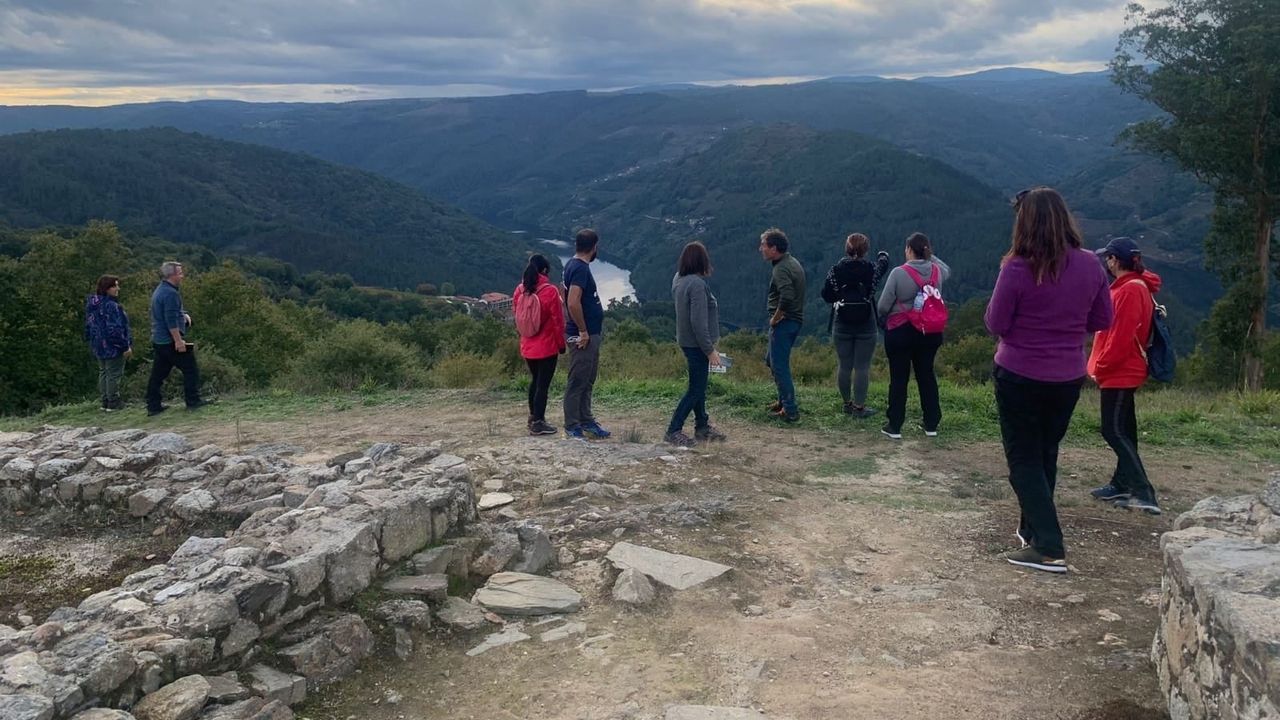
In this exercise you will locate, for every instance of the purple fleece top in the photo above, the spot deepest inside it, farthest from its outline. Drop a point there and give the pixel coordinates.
(1042, 328)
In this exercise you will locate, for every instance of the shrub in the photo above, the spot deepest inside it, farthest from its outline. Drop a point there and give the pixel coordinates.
(813, 362)
(968, 360)
(640, 361)
(466, 370)
(353, 355)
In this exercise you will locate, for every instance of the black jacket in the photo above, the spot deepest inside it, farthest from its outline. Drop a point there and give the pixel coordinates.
(849, 272)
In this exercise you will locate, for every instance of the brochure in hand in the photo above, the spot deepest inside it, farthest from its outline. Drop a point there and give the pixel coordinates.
(726, 362)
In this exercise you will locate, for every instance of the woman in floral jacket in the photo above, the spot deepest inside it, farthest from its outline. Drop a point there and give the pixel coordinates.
(106, 328)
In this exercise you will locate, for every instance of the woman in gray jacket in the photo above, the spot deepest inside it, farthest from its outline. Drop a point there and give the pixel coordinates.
(697, 332)
(906, 347)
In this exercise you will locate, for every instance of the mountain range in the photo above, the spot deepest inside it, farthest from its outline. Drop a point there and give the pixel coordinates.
(821, 159)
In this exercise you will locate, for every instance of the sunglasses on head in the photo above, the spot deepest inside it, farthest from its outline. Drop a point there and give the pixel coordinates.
(1017, 199)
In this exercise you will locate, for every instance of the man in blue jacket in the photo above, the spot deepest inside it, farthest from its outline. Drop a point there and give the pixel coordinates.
(169, 324)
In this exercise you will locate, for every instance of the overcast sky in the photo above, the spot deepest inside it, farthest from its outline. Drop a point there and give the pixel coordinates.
(110, 51)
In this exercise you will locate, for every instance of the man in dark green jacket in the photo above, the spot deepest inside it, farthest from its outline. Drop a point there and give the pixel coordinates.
(786, 315)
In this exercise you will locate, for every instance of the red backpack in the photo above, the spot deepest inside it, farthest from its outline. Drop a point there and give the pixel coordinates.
(928, 313)
(528, 313)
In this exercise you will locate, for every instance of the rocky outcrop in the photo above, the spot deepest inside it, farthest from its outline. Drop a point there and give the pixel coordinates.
(1217, 651)
(148, 643)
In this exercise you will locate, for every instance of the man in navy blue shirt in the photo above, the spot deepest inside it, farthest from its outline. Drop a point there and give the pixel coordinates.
(169, 324)
(583, 326)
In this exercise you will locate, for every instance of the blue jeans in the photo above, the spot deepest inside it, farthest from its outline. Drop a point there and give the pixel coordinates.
(782, 337)
(695, 397)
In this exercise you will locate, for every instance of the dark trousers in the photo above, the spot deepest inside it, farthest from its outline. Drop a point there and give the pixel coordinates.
(782, 338)
(542, 371)
(1034, 417)
(854, 348)
(695, 396)
(166, 359)
(1120, 430)
(910, 350)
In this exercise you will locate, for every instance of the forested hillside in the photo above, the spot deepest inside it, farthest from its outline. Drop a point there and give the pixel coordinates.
(818, 187)
(247, 199)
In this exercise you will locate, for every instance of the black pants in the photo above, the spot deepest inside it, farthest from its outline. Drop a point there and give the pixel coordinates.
(909, 349)
(166, 359)
(541, 371)
(1034, 417)
(1120, 430)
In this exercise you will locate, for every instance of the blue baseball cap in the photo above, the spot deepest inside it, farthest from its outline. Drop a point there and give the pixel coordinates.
(1122, 247)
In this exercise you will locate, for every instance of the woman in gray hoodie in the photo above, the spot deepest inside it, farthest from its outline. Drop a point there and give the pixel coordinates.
(906, 347)
(697, 332)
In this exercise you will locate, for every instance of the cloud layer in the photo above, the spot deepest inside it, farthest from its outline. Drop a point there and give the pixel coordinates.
(87, 50)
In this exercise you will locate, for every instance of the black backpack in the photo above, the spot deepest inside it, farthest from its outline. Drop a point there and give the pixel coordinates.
(854, 306)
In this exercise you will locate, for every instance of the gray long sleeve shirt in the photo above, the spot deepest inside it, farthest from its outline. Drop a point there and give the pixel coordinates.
(900, 290)
(697, 313)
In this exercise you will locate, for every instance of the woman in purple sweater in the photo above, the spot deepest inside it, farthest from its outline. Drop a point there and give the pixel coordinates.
(1051, 294)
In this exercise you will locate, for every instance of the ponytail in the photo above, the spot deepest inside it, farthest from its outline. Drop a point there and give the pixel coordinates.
(538, 265)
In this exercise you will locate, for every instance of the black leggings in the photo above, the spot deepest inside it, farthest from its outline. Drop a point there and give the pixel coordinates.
(909, 349)
(542, 371)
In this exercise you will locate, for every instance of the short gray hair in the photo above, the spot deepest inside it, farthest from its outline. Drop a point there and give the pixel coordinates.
(169, 268)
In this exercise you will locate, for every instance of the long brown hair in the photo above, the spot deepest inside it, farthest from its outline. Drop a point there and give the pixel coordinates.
(1043, 232)
(694, 260)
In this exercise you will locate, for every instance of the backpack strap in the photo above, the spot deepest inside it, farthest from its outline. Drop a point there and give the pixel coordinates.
(915, 275)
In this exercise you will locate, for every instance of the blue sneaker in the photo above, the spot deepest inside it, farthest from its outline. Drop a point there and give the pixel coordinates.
(1109, 493)
(575, 433)
(593, 429)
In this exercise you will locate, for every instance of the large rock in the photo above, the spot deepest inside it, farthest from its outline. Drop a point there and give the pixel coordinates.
(275, 685)
(536, 551)
(103, 714)
(179, 700)
(434, 560)
(332, 653)
(502, 549)
(1217, 652)
(194, 505)
(514, 593)
(51, 471)
(252, 709)
(405, 613)
(1271, 495)
(679, 572)
(26, 707)
(145, 502)
(165, 441)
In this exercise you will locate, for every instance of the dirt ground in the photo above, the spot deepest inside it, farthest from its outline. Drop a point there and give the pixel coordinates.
(867, 582)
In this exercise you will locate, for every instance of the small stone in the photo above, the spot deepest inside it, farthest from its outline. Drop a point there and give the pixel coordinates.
(434, 587)
(391, 697)
(564, 631)
(404, 613)
(1108, 616)
(1074, 599)
(404, 643)
(275, 685)
(492, 500)
(506, 637)
(633, 588)
(434, 560)
(755, 610)
(143, 503)
(462, 615)
(194, 504)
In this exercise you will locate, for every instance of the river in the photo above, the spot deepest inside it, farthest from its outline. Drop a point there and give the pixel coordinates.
(612, 282)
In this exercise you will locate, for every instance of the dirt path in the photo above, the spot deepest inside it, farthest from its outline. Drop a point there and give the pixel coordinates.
(867, 580)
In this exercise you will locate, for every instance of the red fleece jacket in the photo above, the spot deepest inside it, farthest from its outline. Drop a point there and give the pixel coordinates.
(1119, 357)
(550, 338)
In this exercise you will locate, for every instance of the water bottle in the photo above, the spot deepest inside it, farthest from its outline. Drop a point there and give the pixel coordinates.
(918, 304)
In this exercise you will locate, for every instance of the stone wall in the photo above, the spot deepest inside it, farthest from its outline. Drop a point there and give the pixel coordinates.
(1217, 651)
(309, 539)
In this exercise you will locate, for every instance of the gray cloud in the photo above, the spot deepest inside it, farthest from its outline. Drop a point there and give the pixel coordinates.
(532, 45)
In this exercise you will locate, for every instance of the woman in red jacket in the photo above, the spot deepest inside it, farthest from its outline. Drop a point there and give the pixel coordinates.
(1118, 364)
(542, 348)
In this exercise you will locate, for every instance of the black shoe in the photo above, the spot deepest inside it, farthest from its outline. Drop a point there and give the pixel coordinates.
(862, 413)
(1108, 493)
(708, 434)
(201, 403)
(848, 408)
(542, 427)
(1030, 557)
(891, 433)
(152, 412)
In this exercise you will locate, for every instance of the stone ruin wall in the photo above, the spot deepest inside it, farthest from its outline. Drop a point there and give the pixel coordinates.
(1217, 651)
(309, 539)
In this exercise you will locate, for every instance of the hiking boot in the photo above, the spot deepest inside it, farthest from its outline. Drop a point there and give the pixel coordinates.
(708, 434)
(891, 433)
(542, 427)
(1135, 503)
(574, 433)
(152, 412)
(774, 407)
(862, 413)
(1030, 557)
(1108, 493)
(679, 439)
(594, 430)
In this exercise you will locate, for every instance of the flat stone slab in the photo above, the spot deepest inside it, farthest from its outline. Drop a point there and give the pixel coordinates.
(492, 500)
(506, 637)
(679, 572)
(711, 712)
(513, 593)
(435, 587)
(461, 615)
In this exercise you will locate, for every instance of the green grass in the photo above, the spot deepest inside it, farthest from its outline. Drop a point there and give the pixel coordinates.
(1167, 417)
(859, 467)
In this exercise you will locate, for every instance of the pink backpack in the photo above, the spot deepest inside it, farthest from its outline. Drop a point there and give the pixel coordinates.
(528, 313)
(928, 313)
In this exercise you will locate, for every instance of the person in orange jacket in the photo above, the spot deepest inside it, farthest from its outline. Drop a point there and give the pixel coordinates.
(1118, 364)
